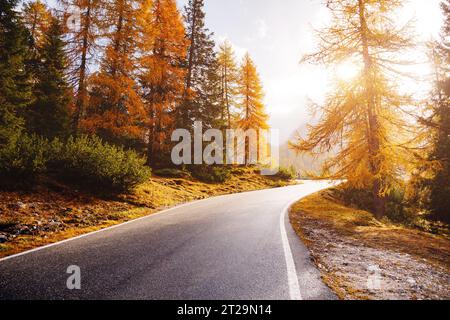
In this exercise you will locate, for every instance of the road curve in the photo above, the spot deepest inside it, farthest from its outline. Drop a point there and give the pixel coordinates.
(236, 247)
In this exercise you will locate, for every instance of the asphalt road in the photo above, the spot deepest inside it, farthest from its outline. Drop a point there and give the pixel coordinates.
(237, 247)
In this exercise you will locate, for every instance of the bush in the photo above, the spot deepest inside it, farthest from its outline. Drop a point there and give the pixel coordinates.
(357, 198)
(396, 206)
(211, 174)
(24, 158)
(86, 161)
(90, 162)
(286, 173)
(172, 173)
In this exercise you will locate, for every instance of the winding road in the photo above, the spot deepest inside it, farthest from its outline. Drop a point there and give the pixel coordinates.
(236, 247)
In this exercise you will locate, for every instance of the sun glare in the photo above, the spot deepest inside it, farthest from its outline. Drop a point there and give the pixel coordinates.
(429, 18)
(347, 71)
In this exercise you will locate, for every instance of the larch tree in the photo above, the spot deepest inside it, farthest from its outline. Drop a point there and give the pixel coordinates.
(162, 75)
(228, 72)
(365, 121)
(84, 18)
(49, 114)
(115, 108)
(199, 101)
(15, 79)
(37, 18)
(251, 104)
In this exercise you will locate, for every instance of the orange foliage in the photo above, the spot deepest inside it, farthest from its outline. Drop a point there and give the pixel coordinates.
(251, 91)
(164, 48)
(116, 106)
(37, 19)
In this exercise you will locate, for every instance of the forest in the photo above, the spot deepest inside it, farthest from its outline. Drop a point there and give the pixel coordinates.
(391, 146)
(91, 90)
(92, 93)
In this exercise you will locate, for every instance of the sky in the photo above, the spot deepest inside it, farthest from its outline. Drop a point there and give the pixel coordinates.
(276, 34)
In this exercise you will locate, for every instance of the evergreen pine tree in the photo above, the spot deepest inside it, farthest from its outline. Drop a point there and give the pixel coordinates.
(15, 89)
(439, 186)
(50, 113)
(200, 100)
(37, 19)
(229, 75)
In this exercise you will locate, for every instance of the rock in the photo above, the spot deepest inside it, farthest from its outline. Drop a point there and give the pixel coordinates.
(54, 223)
(25, 230)
(3, 239)
(19, 205)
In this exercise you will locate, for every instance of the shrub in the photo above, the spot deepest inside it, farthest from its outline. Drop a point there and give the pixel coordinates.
(286, 173)
(358, 198)
(24, 158)
(85, 160)
(211, 174)
(91, 162)
(171, 173)
(396, 206)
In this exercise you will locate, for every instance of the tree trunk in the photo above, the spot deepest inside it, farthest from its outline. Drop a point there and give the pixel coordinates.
(81, 95)
(372, 118)
(191, 49)
(379, 202)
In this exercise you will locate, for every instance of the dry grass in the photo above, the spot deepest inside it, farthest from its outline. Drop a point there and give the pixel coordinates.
(53, 212)
(344, 241)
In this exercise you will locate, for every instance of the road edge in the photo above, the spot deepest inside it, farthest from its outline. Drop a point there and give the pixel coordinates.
(128, 222)
(294, 286)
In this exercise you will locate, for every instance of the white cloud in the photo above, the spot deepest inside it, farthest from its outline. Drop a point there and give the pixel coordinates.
(262, 28)
(260, 31)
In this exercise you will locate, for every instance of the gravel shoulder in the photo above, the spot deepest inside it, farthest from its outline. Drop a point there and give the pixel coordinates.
(362, 258)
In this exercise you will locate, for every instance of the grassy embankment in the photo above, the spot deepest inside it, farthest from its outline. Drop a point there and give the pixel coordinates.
(52, 212)
(349, 246)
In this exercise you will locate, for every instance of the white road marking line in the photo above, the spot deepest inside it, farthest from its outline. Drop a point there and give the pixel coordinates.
(98, 231)
(125, 223)
(294, 287)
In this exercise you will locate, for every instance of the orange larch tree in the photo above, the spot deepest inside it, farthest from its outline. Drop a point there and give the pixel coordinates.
(37, 18)
(162, 75)
(251, 106)
(83, 17)
(368, 120)
(116, 109)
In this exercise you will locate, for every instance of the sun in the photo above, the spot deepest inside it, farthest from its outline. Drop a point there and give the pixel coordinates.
(347, 71)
